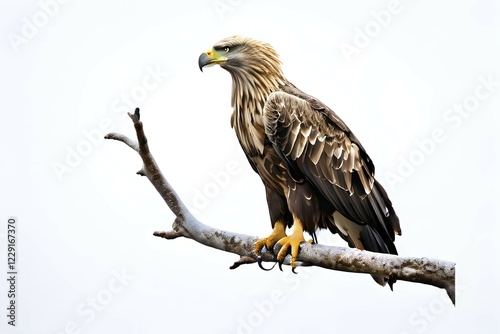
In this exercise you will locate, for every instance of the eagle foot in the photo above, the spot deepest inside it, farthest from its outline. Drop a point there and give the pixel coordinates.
(277, 234)
(292, 244)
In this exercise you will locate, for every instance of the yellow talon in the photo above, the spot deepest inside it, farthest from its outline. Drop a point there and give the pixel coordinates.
(277, 234)
(292, 241)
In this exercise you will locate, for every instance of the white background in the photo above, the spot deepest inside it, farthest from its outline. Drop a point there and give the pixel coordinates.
(83, 220)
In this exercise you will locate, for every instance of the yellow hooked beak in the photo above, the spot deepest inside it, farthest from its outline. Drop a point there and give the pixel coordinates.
(209, 58)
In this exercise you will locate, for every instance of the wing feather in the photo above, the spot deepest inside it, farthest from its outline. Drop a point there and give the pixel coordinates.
(322, 147)
(292, 137)
(316, 150)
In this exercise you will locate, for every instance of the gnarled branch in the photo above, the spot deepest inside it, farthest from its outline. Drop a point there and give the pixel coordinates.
(412, 269)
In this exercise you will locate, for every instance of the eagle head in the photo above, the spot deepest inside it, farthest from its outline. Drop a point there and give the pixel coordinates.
(242, 55)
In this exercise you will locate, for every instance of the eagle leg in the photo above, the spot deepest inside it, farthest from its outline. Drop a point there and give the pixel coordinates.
(277, 234)
(291, 243)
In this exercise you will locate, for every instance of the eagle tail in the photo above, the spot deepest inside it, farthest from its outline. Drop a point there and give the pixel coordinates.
(363, 237)
(373, 242)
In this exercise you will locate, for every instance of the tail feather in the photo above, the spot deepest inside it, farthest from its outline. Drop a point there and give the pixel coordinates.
(373, 242)
(364, 237)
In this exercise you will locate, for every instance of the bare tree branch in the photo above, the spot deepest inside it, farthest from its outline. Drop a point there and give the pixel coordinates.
(423, 270)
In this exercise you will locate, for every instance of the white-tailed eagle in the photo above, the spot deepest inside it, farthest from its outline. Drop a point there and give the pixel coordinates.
(315, 171)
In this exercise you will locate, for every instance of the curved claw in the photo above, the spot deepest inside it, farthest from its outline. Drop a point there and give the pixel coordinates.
(259, 262)
(280, 263)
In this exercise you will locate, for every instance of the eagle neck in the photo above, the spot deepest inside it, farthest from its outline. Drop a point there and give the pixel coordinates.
(249, 95)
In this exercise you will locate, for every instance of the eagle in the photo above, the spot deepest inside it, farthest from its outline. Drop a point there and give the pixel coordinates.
(315, 171)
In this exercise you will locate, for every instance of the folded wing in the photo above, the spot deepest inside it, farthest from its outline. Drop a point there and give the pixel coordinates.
(315, 142)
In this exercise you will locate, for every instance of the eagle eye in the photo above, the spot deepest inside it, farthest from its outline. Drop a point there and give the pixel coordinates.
(226, 49)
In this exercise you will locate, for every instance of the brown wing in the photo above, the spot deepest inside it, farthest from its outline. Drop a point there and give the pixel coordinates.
(315, 141)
